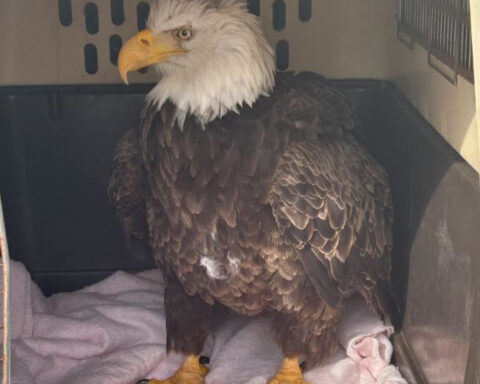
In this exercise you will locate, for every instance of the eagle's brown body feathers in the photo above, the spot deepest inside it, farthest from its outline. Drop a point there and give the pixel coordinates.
(277, 209)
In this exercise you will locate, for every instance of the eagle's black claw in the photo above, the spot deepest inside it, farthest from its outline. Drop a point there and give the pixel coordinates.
(144, 381)
(204, 360)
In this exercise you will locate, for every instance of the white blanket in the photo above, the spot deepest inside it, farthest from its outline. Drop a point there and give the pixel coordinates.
(114, 332)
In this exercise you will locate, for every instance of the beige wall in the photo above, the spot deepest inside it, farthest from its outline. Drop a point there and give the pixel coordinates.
(344, 39)
(449, 108)
(36, 49)
(475, 9)
(358, 40)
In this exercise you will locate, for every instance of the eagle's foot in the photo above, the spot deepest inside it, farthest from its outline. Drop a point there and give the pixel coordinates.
(190, 372)
(288, 373)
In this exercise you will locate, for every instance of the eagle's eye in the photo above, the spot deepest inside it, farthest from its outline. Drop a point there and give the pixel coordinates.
(184, 34)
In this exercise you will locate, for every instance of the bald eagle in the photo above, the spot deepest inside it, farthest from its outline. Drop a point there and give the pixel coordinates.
(250, 187)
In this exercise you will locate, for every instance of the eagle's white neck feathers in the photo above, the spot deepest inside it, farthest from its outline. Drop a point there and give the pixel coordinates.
(228, 64)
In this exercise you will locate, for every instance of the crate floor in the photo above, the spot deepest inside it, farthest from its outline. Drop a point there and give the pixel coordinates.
(114, 332)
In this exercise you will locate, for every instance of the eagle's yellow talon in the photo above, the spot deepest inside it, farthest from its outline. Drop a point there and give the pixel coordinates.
(288, 373)
(190, 372)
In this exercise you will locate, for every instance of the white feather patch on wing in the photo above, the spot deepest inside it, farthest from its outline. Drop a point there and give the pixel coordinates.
(212, 267)
(233, 263)
(216, 271)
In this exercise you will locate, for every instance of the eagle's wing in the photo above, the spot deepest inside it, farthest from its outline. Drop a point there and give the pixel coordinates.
(332, 203)
(128, 186)
(307, 102)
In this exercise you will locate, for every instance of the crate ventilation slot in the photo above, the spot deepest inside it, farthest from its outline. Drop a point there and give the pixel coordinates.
(91, 59)
(304, 10)
(443, 28)
(279, 15)
(65, 12)
(115, 44)
(143, 9)
(282, 54)
(91, 18)
(117, 12)
(254, 6)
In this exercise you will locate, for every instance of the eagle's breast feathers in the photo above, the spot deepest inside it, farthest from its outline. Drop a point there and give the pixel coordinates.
(262, 209)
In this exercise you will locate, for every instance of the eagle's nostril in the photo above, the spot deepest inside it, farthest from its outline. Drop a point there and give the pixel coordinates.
(145, 42)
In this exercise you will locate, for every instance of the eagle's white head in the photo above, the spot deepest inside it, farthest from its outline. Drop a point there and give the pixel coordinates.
(211, 55)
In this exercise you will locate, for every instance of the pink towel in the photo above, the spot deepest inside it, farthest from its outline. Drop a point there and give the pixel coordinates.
(114, 332)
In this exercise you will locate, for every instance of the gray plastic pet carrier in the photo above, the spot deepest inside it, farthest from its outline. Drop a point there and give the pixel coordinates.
(408, 64)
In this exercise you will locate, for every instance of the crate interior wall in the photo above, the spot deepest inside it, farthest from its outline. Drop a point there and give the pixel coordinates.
(59, 125)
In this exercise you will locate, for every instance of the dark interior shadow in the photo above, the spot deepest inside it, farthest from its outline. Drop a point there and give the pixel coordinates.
(56, 146)
(435, 261)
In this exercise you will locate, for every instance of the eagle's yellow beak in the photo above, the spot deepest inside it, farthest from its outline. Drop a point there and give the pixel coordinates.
(144, 49)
